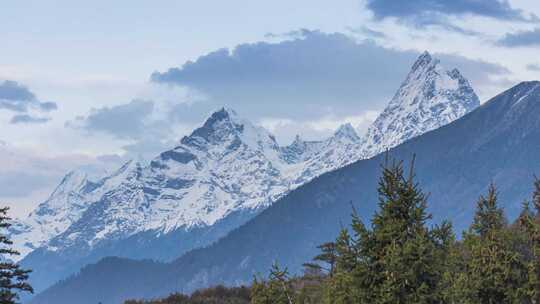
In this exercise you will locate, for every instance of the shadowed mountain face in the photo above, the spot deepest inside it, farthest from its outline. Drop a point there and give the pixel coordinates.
(498, 142)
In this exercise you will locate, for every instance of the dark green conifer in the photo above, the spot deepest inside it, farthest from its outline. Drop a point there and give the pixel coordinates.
(327, 257)
(494, 270)
(489, 218)
(529, 220)
(276, 290)
(13, 279)
(399, 260)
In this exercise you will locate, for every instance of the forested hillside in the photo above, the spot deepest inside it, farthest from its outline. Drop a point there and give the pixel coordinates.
(400, 258)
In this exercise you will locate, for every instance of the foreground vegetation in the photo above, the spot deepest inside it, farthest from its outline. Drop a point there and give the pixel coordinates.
(13, 279)
(401, 258)
(215, 295)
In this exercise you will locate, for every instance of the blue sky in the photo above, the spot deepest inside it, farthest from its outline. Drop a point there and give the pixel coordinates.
(91, 83)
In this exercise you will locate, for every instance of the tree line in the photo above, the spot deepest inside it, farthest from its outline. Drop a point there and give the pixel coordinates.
(399, 258)
(402, 258)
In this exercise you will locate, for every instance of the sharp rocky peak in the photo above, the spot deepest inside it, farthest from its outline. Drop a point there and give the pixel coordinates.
(225, 127)
(74, 180)
(347, 131)
(221, 120)
(429, 98)
(424, 61)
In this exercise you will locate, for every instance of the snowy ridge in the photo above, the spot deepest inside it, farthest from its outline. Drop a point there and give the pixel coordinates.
(229, 165)
(54, 216)
(430, 97)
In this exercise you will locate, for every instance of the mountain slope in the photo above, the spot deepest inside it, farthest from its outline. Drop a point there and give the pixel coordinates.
(499, 142)
(65, 206)
(216, 179)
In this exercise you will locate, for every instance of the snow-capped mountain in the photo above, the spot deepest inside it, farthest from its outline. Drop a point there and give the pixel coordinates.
(216, 179)
(55, 215)
(430, 97)
(224, 166)
(66, 205)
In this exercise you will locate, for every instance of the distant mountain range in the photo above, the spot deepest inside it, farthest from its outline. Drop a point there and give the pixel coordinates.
(218, 178)
(498, 142)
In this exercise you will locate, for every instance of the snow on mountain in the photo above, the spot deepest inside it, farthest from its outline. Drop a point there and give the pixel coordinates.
(226, 165)
(229, 165)
(65, 206)
(313, 158)
(430, 97)
(55, 215)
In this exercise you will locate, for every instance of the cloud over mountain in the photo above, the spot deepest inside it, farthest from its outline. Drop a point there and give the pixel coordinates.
(121, 121)
(144, 128)
(308, 76)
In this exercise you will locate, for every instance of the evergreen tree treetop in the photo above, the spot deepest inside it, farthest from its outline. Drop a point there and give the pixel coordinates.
(402, 206)
(489, 216)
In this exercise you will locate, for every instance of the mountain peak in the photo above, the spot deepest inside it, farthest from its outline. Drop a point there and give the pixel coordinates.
(429, 98)
(223, 114)
(347, 131)
(225, 130)
(424, 60)
(73, 180)
(220, 123)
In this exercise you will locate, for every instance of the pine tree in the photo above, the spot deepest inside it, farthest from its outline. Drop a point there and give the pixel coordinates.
(494, 270)
(340, 287)
(528, 219)
(489, 218)
(259, 294)
(536, 194)
(13, 279)
(404, 251)
(276, 290)
(327, 257)
(399, 260)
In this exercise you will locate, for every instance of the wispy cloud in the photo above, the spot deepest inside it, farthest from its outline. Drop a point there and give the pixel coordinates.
(521, 39)
(125, 121)
(15, 97)
(442, 13)
(428, 9)
(533, 67)
(142, 127)
(27, 119)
